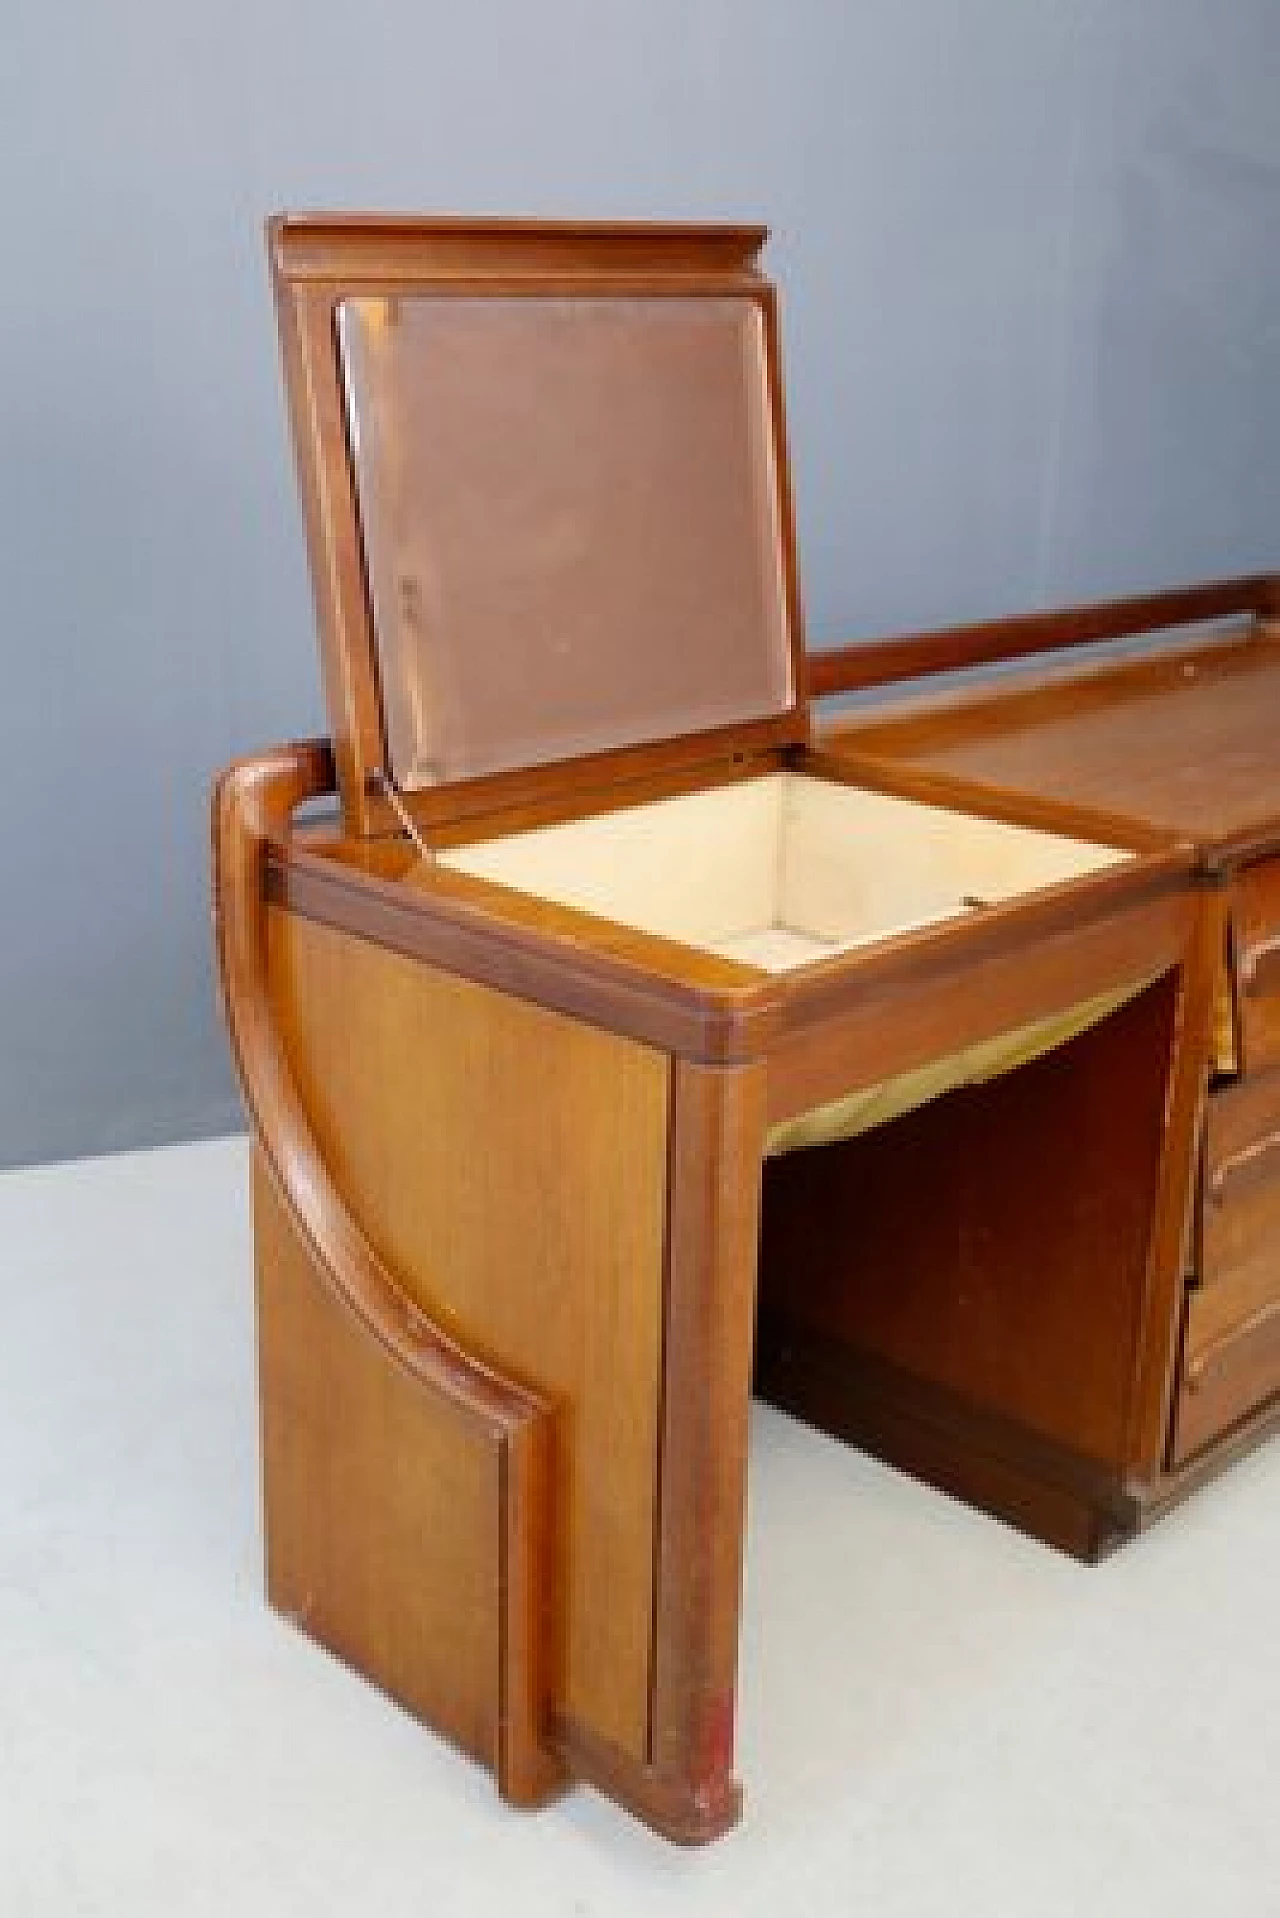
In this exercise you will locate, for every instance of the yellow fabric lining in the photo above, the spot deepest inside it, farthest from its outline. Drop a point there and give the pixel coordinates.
(856, 1112)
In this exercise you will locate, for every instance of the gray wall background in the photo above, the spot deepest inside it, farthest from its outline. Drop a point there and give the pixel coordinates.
(1030, 259)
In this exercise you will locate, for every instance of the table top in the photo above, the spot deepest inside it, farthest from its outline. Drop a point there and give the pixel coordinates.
(1183, 741)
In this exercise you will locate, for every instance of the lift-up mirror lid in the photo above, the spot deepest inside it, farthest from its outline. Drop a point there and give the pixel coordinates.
(545, 480)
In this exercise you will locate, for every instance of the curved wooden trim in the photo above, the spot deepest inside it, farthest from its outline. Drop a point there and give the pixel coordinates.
(253, 801)
(855, 667)
(252, 805)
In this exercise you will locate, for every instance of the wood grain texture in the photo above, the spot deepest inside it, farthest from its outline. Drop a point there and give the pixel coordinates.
(1168, 1253)
(995, 1243)
(316, 263)
(1231, 1358)
(1181, 743)
(1242, 1135)
(840, 757)
(353, 246)
(1240, 1211)
(511, 1165)
(1256, 929)
(1179, 740)
(314, 1262)
(871, 662)
(381, 1503)
(947, 1440)
(699, 1005)
(944, 997)
(1186, 1477)
(253, 801)
(717, 1142)
(663, 994)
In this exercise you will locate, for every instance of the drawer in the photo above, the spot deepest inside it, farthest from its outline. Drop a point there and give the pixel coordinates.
(1240, 1200)
(1230, 1362)
(1255, 914)
(1230, 1358)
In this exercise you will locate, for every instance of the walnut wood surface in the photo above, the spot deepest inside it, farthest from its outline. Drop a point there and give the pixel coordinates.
(647, 989)
(252, 803)
(353, 246)
(381, 1502)
(1256, 928)
(717, 1139)
(1224, 1447)
(511, 1220)
(1240, 1213)
(702, 1007)
(867, 663)
(1180, 740)
(1242, 1136)
(1019, 1281)
(412, 1368)
(511, 1165)
(934, 1001)
(1171, 1237)
(1231, 1358)
(1184, 743)
(315, 265)
(946, 1439)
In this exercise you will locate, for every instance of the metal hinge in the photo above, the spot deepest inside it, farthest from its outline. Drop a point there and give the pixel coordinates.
(384, 784)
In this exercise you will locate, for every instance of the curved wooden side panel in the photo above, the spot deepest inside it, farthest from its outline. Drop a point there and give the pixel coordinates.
(407, 1486)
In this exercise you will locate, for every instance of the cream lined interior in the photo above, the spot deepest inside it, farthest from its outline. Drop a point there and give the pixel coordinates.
(780, 871)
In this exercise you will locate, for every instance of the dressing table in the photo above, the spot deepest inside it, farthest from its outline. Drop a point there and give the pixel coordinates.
(612, 1036)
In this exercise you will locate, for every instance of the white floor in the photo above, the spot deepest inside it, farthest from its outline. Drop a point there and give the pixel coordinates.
(937, 1716)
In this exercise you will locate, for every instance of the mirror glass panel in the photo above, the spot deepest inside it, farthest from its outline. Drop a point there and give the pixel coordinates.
(569, 511)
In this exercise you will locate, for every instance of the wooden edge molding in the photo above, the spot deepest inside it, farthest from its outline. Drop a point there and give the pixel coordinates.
(252, 804)
(854, 765)
(568, 961)
(346, 246)
(716, 1148)
(1186, 1093)
(862, 664)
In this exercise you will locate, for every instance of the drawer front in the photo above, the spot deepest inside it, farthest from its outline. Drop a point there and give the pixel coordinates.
(1240, 1209)
(1230, 1360)
(1231, 1334)
(1256, 923)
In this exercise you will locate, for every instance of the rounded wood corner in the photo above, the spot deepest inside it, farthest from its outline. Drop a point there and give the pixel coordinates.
(254, 800)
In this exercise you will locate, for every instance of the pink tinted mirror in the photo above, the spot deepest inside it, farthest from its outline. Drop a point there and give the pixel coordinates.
(571, 523)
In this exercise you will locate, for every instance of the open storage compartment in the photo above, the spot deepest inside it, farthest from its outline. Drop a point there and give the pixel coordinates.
(782, 870)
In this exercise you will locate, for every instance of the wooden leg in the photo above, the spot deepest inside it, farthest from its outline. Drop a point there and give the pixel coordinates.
(717, 1138)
